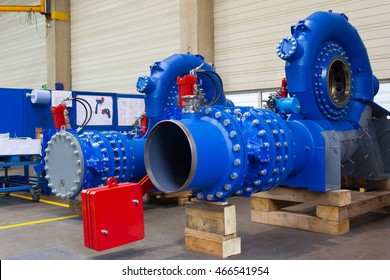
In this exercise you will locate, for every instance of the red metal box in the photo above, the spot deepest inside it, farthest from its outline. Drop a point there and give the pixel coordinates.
(112, 215)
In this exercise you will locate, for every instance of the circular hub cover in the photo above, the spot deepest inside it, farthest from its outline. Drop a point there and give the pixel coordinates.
(64, 165)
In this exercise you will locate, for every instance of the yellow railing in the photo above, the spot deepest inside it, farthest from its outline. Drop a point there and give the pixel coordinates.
(34, 9)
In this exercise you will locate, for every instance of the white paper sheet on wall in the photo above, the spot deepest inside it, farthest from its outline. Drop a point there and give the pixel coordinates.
(129, 109)
(102, 110)
(58, 95)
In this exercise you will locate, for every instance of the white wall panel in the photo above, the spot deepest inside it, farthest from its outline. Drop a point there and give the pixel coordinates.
(247, 32)
(113, 43)
(22, 48)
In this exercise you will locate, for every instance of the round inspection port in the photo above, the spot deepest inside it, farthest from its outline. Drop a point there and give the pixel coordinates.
(339, 82)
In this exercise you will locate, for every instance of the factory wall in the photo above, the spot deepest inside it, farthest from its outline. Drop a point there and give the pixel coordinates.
(115, 42)
(247, 32)
(22, 48)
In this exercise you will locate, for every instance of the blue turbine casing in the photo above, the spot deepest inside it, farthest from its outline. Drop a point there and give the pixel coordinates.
(322, 131)
(221, 152)
(320, 39)
(160, 87)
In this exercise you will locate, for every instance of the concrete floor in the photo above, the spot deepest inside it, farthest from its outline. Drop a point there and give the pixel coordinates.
(164, 225)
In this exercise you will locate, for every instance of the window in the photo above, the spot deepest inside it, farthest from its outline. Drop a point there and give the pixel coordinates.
(383, 96)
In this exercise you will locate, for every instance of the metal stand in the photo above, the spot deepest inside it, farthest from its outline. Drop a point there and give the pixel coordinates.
(14, 183)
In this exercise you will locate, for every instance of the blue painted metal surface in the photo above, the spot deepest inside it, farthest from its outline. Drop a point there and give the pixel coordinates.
(19, 116)
(74, 162)
(160, 87)
(318, 41)
(103, 154)
(218, 152)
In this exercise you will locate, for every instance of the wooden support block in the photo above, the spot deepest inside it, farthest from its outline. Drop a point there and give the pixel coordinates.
(329, 218)
(300, 221)
(180, 197)
(181, 201)
(211, 229)
(385, 210)
(217, 219)
(266, 204)
(368, 202)
(332, 213)
(178, 194)
(360, 183)
(75, 207)
(361, 203)
(212, 244)
(335, 197)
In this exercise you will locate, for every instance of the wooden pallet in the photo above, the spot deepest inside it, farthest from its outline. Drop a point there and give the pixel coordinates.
(328, 212)
(364, 185)
(180, 197)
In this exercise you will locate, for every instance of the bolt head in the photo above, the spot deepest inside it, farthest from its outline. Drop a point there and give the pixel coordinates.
(261, 132)
(236, 147)
(256, 182)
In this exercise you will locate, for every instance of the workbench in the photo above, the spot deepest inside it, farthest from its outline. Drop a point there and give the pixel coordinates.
(19, 153)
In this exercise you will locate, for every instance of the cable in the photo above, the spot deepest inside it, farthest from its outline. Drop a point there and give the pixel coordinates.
(88, 114)
(214, 85)
(220, 80)
(90, 108)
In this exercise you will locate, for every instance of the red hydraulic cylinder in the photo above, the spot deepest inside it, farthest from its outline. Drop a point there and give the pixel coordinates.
(185, 87)
(144, 123)
(58, 116)
(283, 88)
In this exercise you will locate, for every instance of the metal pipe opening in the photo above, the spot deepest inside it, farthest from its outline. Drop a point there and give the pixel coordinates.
(339, 82)
(170, 156)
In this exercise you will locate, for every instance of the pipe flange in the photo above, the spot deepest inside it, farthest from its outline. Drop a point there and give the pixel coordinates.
(64, 164)
(286, 48)
(333, 81)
